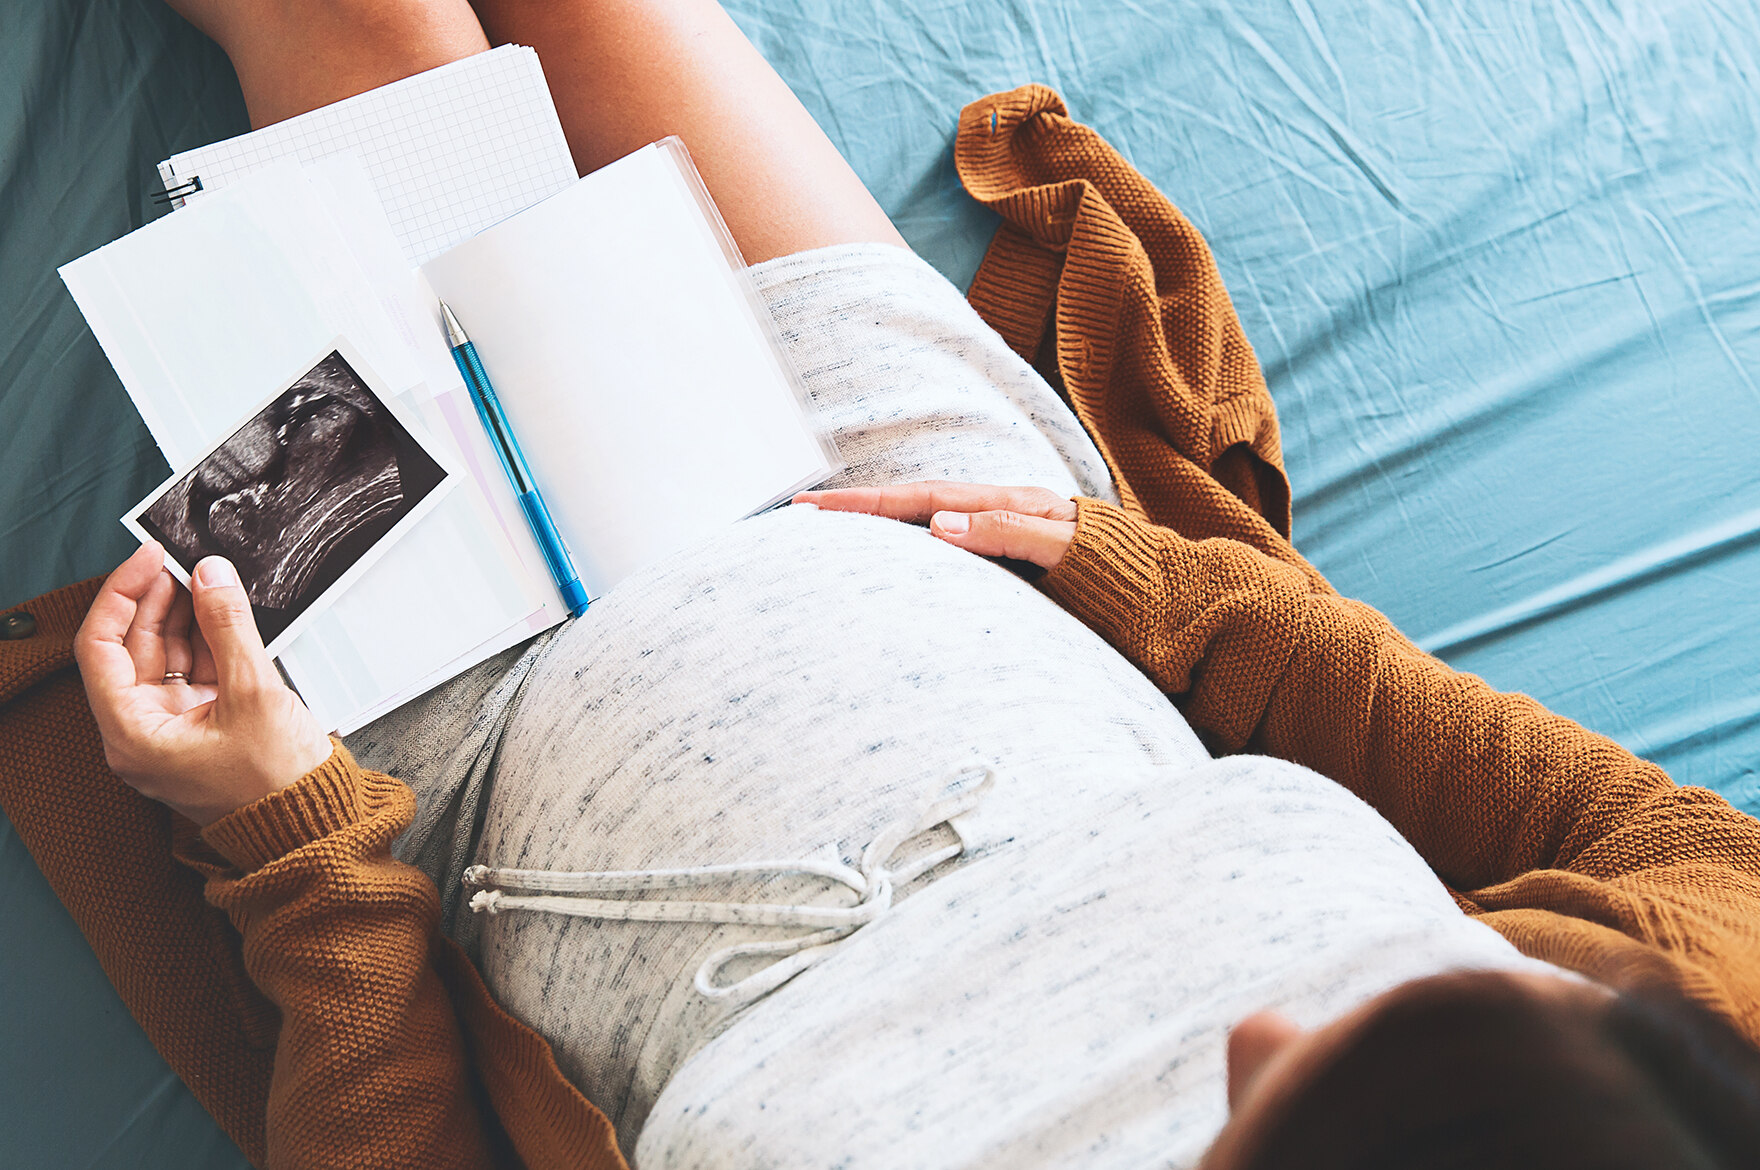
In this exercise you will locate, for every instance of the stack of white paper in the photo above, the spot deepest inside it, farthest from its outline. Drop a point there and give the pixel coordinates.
(204, 312)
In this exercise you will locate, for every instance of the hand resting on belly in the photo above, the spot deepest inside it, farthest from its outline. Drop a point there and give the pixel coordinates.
(1019, 523)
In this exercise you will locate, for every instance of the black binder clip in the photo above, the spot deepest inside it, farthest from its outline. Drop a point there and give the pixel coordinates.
(176, 191)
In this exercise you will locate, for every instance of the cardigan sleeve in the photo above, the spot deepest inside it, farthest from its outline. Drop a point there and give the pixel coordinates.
(1576, 849)
(371, 1065)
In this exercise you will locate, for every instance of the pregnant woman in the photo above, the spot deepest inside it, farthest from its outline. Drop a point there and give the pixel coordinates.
(826, 842)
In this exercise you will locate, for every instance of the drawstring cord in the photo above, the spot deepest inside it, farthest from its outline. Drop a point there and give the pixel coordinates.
(873, 884)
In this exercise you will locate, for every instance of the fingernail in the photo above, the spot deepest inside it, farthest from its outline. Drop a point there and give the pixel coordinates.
(216, 573)
(953, 523)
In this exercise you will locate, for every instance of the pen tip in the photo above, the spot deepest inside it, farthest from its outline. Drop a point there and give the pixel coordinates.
(454, 331)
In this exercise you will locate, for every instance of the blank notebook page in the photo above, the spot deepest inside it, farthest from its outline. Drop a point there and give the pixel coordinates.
(635, 371)
(450, 152)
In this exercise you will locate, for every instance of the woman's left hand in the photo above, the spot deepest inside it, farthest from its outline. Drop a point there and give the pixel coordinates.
(1021, 523)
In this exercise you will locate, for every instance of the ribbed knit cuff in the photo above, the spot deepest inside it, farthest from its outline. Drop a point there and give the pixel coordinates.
(324, 800)
(1111, 568)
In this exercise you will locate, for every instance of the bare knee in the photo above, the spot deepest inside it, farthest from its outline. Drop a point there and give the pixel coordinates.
(296, 56)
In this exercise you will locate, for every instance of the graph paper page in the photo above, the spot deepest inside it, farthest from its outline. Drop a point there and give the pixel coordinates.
(450, 152)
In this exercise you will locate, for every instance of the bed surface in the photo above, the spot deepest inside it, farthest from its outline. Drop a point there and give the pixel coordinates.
(1501, 271)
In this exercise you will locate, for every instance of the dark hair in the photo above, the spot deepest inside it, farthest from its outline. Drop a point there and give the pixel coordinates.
(1477, 1071)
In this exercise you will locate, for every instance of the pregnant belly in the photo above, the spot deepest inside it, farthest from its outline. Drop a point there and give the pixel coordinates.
(785, 690)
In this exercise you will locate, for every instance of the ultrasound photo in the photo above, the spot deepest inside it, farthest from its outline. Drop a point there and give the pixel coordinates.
(298, 495)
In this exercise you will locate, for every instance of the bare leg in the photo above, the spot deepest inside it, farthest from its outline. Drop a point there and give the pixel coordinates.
(623, 72)
(626, 72)
(292, 56)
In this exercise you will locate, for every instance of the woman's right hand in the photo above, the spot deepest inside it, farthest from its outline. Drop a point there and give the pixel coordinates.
(227, 734)
(1020, 523)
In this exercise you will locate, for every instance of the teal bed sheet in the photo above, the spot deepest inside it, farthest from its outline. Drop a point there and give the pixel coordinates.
(1498, 261)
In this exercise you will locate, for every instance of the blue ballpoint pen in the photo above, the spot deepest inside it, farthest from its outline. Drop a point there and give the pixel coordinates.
(513, 461)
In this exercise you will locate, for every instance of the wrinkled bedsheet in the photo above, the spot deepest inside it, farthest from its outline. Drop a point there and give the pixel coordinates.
(1500, 267)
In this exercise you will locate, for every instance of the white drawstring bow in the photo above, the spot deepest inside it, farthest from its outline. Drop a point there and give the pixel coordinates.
(873, 885)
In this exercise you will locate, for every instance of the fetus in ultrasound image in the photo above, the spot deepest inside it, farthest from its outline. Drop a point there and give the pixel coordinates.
(298, 494)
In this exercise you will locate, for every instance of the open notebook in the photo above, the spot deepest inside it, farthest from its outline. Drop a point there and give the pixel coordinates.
(635, 362)
(624, 338)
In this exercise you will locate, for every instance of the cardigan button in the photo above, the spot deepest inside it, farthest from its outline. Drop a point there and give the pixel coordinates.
(16, 626)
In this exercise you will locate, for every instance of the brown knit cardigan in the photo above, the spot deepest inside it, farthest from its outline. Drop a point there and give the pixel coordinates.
(294, 974)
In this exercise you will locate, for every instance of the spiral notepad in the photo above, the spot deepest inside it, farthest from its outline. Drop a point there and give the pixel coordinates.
(450, 152)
